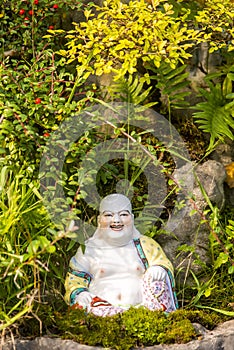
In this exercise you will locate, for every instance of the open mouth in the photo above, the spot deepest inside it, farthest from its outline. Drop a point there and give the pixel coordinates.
(117, 227)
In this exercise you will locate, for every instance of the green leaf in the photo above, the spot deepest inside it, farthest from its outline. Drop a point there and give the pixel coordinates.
(231, 269)
(224, 312)
(33, 247)
(222, 259)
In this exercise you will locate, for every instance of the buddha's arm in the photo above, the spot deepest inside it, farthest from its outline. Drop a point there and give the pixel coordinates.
(76, 282)
(78, 278)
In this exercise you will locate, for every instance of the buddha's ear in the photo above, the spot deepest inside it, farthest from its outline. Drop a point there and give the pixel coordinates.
(98, 220)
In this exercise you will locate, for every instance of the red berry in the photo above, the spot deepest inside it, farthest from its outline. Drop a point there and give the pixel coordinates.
(21, 12)
(36, 2)
(31, 12)
(37, 100)
(51, 27)
(55, 6)
(26, 19)
(46, 134)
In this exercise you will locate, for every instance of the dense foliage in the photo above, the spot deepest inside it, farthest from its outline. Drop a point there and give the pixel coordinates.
(48, 76)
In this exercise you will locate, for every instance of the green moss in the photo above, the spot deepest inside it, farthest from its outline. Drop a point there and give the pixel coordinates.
(207, 319)
(143, 325)
(135, 327)
(94, 330)
(178, 332)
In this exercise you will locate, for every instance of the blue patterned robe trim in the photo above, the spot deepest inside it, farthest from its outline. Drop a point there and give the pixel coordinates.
(141, 252)
(82, 274)
(75, 293)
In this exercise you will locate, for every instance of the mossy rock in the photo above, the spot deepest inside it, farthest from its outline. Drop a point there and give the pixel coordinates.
(137, 327)
(133, 328)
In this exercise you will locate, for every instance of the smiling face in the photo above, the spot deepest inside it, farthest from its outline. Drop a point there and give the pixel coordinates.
(116, 228)
(116, 221)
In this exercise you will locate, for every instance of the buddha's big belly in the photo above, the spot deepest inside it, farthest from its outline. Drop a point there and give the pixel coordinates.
(119, 290)
(117, 275)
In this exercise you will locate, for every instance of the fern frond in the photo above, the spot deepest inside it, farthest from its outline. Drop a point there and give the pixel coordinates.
(171, 83)
(216, 114)
(218, 123)
(132, 90)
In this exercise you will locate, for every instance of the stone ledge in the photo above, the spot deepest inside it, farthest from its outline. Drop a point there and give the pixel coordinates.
(221, 338)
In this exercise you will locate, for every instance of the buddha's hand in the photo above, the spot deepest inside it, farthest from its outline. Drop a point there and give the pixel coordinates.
(156, 273)
(84, 299)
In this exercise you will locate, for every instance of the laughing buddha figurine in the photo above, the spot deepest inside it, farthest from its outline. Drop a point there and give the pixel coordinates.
(120, 268)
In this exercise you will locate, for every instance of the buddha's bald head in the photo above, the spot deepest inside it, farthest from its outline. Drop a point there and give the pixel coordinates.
(115, 202)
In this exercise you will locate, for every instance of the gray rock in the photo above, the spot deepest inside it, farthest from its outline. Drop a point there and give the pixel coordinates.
(45, 343)
(185, 229)
(224, 153)
(211, 175)
(221, 338)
